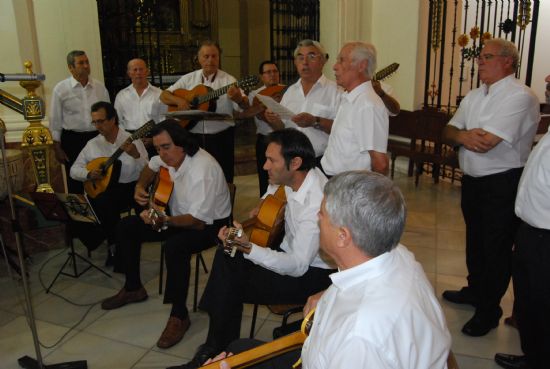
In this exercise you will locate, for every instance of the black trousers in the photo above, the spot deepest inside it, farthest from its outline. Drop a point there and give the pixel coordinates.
(110, 203)
(72, 143)
(263, 178)
(491, 224)
(221, 146)
(531, 274)
(179, 245)
(234, 281)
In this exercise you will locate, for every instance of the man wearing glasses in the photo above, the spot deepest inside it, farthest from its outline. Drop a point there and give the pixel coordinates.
(314, 98)
(494, 129)
(118, 196)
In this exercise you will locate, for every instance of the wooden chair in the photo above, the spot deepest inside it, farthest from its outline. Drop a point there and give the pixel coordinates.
(401, 139)
(428, 145)
(199, 260)
(451, 361)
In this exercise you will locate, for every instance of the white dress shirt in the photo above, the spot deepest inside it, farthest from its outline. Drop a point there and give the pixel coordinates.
(71, 105)
(200, 188)
(509, 110)
(361, 124)
(134, 110)
(321, 101)
(533, 198)
(381, 314)
(99, 147)
(301, 241)
(224, 104)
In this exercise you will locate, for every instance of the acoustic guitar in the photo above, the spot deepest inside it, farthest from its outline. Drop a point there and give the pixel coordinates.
(159, 195)
(201, 96)
(265, 229)
(110, 167)
(268, 350)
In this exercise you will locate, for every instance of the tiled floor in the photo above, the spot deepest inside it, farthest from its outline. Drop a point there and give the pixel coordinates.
(125, 338)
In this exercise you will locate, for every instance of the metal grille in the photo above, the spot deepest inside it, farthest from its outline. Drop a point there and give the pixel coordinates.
(456, 31)
(291, 21)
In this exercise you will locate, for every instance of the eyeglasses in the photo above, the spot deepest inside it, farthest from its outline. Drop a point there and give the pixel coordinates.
(309, 56)
(98, 121)
(274, 71)
(487, 57)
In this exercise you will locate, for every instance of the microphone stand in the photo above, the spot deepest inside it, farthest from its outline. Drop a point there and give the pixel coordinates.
(26, 361)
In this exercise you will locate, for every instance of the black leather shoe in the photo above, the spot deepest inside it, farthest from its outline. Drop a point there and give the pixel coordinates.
(479, 326)
(462, 296)
(511, 361)
(204, 353)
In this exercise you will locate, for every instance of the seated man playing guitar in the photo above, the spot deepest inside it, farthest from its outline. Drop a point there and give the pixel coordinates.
(199, 206)
(215, 136)
(380, 311)
(285, 275)
(117, 196)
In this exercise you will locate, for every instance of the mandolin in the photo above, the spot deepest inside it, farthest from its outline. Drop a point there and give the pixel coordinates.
(270, 349)
(201, 96)
(110, 167)
(386, 72)
(265, 229)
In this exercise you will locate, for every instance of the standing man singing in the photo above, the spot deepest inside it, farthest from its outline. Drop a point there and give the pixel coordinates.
(314, 98)
(70, 125)
(215, 136)
(359, 136)
(494, 128)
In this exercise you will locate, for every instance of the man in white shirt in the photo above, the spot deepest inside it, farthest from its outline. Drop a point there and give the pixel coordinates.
(70, 125)
(380, 311)
(313, 98)
(139, 102)
(286, 275)
(215, 136)
(494, 128)
(199, 206)
(359, 136)
(269, 75)
(118, 196)
(531, 268)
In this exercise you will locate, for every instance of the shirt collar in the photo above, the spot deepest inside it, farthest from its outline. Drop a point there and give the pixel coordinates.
(75, 83)
(300, 195)
(133, 89)
(498, 85)
(185, 166)
(352, 95)
(368, 270)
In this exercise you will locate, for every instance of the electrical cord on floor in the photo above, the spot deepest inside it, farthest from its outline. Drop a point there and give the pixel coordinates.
(43, 285)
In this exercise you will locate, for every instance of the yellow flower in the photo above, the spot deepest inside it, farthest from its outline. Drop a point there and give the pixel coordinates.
(474, 32)
(463, 40)
(486, 36)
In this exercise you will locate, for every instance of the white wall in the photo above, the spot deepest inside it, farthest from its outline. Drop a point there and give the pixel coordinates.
(541, 65)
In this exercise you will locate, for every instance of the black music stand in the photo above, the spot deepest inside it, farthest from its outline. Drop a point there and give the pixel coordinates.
(68, 208)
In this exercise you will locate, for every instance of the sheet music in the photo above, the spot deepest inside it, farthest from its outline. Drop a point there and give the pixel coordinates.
(275, 107)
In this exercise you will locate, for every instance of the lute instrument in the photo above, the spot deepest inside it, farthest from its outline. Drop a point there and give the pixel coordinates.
(268, 350)
(110, 167)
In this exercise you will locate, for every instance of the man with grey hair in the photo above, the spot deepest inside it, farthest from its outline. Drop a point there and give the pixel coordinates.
(494, 129)
(313, 98)
(70, 124)
(359, 136)
(380, 311)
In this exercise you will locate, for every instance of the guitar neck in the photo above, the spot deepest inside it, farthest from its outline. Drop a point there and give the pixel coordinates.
(215, 93)
(262, 352)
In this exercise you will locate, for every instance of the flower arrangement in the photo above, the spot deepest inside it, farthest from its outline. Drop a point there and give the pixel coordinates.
(473, 51)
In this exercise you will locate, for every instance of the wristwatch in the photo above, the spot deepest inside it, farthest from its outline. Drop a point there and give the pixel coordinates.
(317, 124)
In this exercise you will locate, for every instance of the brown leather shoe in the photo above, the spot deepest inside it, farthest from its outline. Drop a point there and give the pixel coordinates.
(124, 297)
(173, 332)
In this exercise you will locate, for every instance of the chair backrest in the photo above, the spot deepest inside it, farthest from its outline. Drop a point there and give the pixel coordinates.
(403, 124)
(429, 127)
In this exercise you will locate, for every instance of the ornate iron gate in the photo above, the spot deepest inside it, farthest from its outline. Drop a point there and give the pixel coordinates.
(291, 21)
